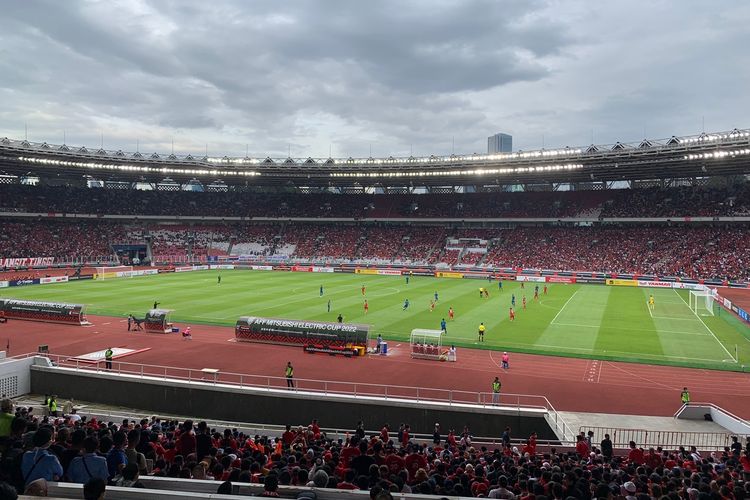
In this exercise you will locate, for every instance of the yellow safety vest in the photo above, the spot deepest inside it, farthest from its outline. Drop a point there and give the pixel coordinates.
(685, 397)
(495, 386)
(108, 354)
(289, 371)
(53, 406)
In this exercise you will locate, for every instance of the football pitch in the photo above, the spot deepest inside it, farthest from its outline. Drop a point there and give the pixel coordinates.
(590, 321)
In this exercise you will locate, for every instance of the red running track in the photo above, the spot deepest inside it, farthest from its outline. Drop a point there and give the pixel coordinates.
(570, 384)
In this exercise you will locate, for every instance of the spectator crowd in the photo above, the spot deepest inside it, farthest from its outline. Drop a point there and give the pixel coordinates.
(73, 448)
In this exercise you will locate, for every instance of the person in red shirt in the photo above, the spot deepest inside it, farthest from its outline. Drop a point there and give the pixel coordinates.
(451, 439)
(414, 461)
(315, 428)
(405, 436)
(653, 459)
(350, 452)
(512, 314)
(635, 455)
(186, 443)
(451, 313)
(288, 436)
(367, 307)
(384, 433)
(395, 462)
(363, 289)
(745, 462)
(582, 447)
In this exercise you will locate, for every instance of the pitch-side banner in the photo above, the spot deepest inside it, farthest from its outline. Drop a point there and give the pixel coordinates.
(655, 284)
(53, 279)
(27, 262)
(538, 279)
(619, 282)
(447, 274)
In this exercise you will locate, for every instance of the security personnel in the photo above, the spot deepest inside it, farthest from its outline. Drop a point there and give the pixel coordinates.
(108, 357)
(289, 375)
(685, 396)
(496, 390)
(52, 406)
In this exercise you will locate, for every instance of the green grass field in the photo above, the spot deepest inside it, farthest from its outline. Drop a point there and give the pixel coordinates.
(591, 321)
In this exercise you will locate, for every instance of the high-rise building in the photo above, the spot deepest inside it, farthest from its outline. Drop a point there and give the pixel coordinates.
(499, 143)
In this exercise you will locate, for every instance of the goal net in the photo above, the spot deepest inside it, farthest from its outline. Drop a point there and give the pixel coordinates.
(702, 302)
(103, 273)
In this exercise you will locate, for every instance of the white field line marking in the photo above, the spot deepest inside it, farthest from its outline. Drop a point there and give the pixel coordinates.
(563, 307)
(603, 351)
(632, 329)
(707, 328)
(648, 306)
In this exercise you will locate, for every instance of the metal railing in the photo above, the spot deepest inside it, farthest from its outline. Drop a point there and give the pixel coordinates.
(643, 438)
(449, 397)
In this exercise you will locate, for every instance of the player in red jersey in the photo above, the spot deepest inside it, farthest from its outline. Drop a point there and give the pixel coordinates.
(432, 305)
(523, 301)
(512, 314)
(450, 313)
(545, 289)
(367, 306)
(363, 289)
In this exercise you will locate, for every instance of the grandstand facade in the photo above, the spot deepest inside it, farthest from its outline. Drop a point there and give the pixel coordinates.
(618, 208)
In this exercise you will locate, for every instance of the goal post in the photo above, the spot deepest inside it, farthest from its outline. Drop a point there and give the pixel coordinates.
(109, 272)
(702, 302)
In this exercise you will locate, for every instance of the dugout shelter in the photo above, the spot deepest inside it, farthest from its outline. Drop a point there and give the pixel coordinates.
(157, 321)
(427, 344)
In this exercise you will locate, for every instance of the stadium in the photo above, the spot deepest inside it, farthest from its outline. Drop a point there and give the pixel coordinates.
(557, 318)
(575, 240)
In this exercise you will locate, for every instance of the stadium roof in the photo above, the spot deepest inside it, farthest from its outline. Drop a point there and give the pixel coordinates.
(724, 153)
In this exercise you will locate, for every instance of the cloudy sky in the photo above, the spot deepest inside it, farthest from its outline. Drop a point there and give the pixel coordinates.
(354, 76)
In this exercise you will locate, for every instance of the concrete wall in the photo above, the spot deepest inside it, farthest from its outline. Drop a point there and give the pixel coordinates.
(207, 401)
(15, 379)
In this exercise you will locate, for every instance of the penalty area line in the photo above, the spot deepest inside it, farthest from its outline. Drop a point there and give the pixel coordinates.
(707, 328)
(563, 307)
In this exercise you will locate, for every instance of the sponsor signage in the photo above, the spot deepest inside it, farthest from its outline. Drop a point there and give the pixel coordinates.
(301, 269)
(287, 331)
(4, 284)
(655, 284)
(598, 281)
(448, 274)
(560, 279)
(389, 272)
(183, 269)
(53, 279)
(222, 266)
(261, 268)
(366, 271)
(621, 282)
(538, 279)
(317, 269)
(54, 312)
(23, 282)
(27, 262)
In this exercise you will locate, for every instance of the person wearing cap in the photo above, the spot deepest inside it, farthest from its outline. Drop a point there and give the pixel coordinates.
(506, 360)
(628, 490)
(40, 463)
(685, 396)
